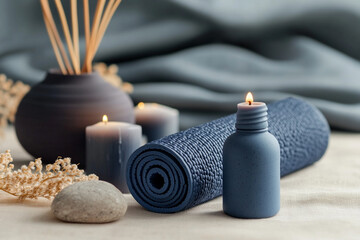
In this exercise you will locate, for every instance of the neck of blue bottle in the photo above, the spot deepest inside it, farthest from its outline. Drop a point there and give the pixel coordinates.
(252, 118)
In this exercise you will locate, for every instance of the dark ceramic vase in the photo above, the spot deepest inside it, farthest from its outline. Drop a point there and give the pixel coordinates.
(52, 117)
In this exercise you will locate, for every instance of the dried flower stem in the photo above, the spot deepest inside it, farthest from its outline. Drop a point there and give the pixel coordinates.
(110, 74)
(10, 96)
(31, 182)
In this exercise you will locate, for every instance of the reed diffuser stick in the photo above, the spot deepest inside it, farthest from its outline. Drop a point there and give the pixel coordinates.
(48, 15)
(94, 30)
(105, 17)
(94, 33)
(67, 35)
(55, 47)
(86, 22)
(75, 29)
(104, 25)
(85, 67)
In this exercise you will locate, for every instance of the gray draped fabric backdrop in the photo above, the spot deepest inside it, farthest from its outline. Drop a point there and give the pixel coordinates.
(201, 56)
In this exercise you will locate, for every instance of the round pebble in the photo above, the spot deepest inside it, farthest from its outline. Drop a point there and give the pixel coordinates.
(89, 202)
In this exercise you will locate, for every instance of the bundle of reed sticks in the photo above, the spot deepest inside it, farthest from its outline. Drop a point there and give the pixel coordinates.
(94, 33)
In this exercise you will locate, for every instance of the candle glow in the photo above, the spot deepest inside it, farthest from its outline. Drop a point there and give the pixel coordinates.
(105, 119)
(157, 120)
(141, 105)
(249, 98)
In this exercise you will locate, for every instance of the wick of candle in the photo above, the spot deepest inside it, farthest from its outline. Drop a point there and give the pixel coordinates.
(249, 102)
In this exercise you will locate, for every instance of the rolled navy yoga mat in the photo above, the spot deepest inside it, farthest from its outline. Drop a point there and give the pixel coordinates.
(183, 170)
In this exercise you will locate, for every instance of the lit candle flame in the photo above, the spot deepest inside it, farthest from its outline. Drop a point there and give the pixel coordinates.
(141, 105)
(105, 119)
(249, 98)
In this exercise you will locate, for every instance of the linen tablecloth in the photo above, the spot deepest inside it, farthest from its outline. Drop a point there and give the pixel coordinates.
(319, 202)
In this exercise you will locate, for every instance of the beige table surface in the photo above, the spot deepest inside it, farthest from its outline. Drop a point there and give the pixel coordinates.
(320, 202)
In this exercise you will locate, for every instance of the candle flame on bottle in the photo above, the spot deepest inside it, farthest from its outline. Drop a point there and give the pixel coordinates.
(249, 98)
(105, 119)
(141, 105)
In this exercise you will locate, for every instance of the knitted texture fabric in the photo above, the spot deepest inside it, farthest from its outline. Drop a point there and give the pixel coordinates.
(183, 170)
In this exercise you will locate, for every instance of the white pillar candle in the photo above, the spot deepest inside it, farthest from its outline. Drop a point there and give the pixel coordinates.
(156, 120)
(108, 148)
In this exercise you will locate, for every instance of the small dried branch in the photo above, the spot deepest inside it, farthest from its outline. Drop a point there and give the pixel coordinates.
(31, 182)
(109, 74)
(10, 96)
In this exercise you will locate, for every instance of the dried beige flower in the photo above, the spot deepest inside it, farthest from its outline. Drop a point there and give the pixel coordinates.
(109, 73)
(31, 182)
(10, 96)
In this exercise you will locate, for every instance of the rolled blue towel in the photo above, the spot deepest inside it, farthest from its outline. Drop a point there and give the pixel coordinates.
(183, 170)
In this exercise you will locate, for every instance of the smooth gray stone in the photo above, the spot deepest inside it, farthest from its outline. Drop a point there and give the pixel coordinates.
(89, 202)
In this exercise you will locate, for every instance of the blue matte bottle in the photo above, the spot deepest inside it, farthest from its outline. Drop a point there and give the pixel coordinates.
(251, 166)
